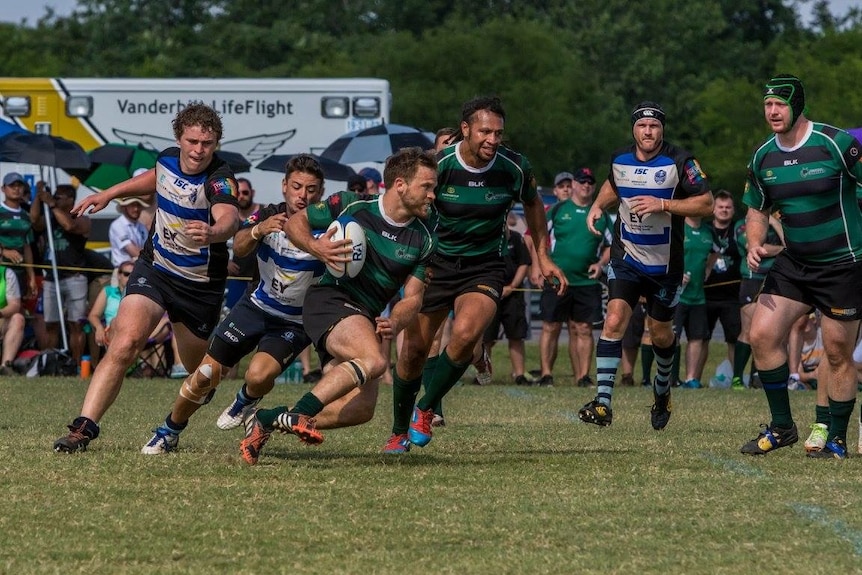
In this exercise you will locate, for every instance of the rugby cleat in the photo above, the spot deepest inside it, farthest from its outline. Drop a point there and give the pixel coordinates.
(771, 438)
(420, 426)
(596, 413)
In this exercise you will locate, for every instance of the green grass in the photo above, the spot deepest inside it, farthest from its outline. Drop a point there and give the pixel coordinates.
(513, 484)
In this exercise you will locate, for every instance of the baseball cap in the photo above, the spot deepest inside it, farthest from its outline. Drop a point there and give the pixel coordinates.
(562, 176)
(13, 177)
(371, 174)
(585, 175)
(132, 200)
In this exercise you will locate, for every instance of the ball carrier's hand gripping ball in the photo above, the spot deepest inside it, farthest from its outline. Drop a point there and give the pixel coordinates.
(346, 228)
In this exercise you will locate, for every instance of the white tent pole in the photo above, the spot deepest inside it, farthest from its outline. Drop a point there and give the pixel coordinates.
(50, 232)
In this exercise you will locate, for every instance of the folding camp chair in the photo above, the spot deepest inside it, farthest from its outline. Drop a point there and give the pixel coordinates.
(157, 357)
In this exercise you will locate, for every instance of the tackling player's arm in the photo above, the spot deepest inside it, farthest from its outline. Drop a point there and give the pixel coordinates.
(248, 237)
(298, 230)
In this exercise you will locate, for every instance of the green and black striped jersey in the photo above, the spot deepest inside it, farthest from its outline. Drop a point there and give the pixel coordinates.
(814, 188)
(472, 204)
(394, 251)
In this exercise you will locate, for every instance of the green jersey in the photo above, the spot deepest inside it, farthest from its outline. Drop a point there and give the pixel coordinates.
(574, 247)
(765, 263)
(698, 244)
(814, 188)
(394, 251)
(472, 204)
(16, 230)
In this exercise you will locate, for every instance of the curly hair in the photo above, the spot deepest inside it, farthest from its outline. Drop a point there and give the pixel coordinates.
(197, 114)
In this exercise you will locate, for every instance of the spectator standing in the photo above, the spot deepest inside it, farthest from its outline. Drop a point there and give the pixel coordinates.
(721, 287)
(690, 316)
(127, 233)
(16, 233)
(656, 185)
(11, 319)
(68, 241)
(581, 255)
(183, 267)
(804, 170)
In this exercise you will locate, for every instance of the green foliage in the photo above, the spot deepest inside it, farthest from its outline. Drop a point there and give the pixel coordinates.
(568, 71)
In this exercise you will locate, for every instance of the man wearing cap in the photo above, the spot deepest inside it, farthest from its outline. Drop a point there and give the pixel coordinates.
(808, 171)
(127, 234)
(656, 185)
(16, 231)
(373, 180)
(581, 255)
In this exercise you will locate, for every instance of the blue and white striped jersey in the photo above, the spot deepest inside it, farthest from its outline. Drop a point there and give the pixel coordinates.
(182, 199)
(653, 243)
(286, 272)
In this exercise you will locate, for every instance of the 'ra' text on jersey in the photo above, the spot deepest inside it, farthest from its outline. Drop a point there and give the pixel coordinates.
(653, 243)
(814, 186)
(184, 198)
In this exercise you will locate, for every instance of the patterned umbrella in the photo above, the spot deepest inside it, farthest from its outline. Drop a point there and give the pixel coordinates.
(375, 144)
(331, 170)
(115, 163)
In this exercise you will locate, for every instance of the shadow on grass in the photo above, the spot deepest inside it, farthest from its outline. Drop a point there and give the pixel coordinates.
(416, 458)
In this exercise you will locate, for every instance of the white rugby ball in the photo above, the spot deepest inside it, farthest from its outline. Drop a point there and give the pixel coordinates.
(346, 228)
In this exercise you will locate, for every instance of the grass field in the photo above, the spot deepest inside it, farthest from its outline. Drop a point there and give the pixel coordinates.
(513, 484)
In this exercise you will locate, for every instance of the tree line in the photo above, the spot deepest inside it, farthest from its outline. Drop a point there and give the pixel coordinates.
(568, 71)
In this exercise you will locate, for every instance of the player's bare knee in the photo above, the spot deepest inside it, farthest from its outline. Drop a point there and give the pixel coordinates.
(200, 385)
(259, 381)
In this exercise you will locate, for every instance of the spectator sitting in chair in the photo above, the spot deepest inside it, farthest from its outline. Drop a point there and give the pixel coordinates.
(11, 319)
(105, 307)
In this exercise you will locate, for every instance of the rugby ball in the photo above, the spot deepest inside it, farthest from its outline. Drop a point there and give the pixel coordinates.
(346, 228)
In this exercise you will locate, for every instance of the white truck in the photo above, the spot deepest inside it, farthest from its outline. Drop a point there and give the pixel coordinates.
(262, 117)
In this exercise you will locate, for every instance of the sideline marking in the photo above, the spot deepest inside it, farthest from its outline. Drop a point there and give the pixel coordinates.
(819, 515)
(734, 466)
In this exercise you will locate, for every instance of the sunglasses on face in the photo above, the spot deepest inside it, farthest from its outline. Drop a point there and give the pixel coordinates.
(245, 192)
(126, 273)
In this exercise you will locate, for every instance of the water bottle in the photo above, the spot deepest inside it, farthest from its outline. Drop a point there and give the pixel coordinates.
(295, 372)
(86, 366)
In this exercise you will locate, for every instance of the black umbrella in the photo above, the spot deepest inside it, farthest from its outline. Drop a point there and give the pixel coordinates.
(235, 160)
(43, 150)
(375, 144)
(332, 170)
